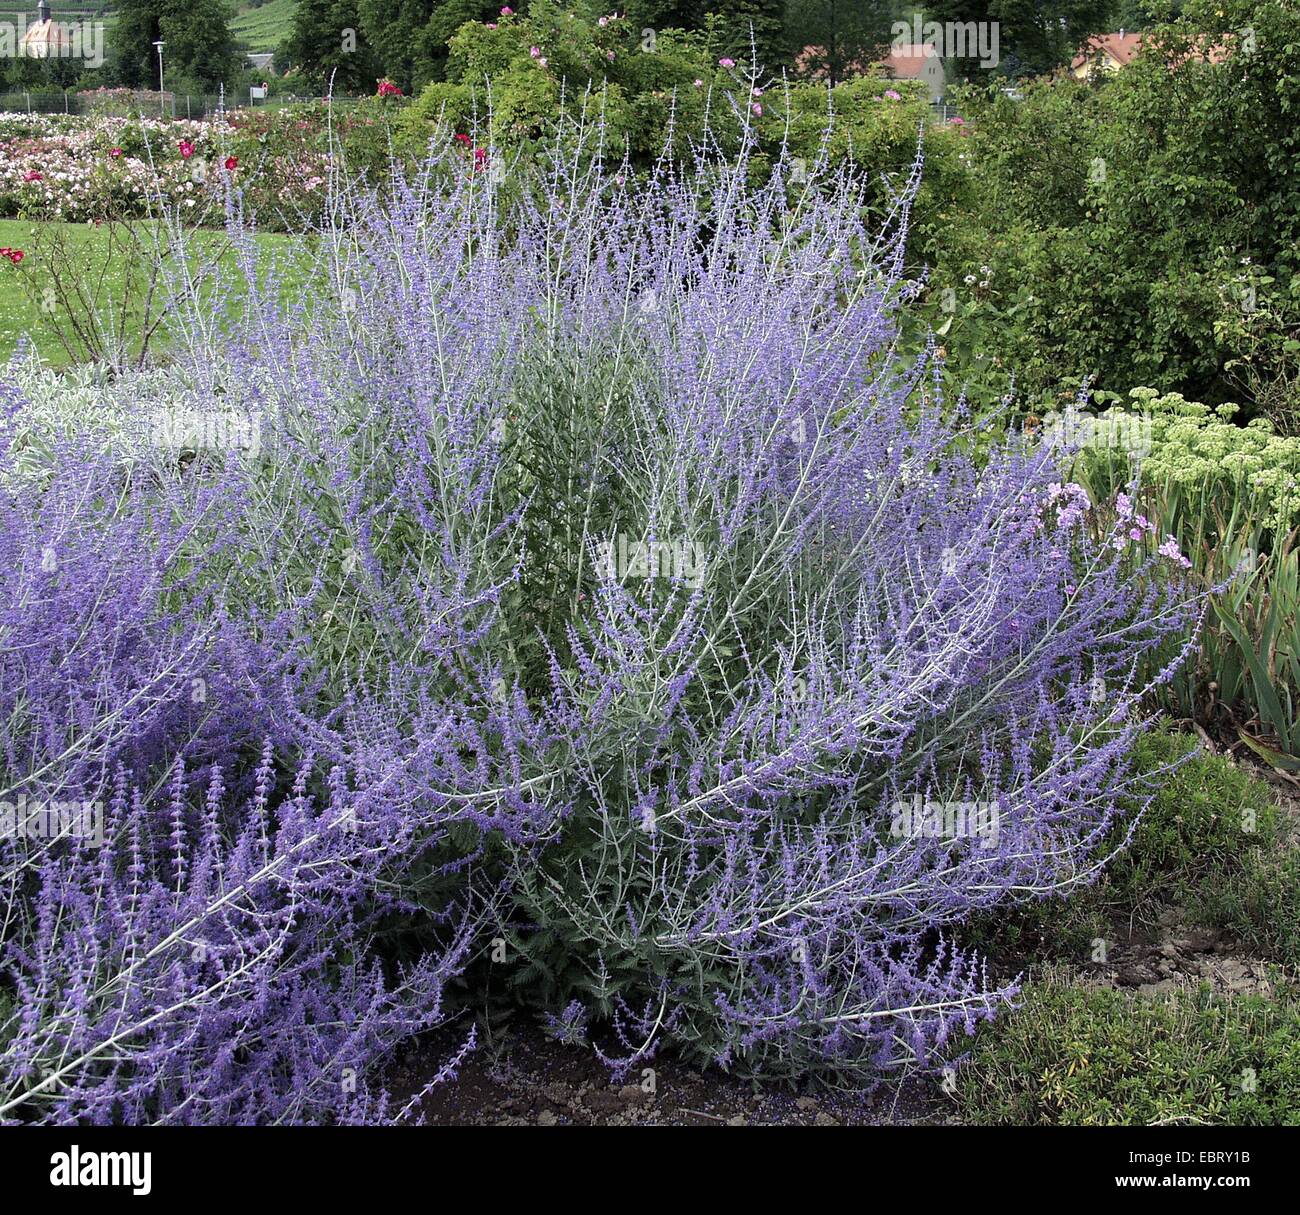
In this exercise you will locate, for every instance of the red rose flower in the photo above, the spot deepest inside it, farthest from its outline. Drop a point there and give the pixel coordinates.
(232, 163)
(16, 255)
(187, 149)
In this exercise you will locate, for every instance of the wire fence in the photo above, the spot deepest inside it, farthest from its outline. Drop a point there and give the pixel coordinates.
(169, 105)
(198, 107)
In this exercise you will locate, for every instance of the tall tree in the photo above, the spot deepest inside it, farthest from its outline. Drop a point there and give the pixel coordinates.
(395, 28)
(329, 45)
(833, 37)
(447, 17)
(1034, 36)
(668, 14)
(1134, 15)
(409, 37)
(198, 47)
(760, 23)
(199, 44)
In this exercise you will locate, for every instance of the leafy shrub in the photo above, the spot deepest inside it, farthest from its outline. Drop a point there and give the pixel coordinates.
(1215, 842)
(1075, 1056)
(1207, 815)
(511, 80)
(1210, 840)
(1258, 904)
(1146, 241)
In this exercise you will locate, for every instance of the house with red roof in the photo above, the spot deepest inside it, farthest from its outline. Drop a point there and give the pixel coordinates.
(1105, 54)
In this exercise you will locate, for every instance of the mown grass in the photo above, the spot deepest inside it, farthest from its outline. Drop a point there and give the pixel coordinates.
(88, 252)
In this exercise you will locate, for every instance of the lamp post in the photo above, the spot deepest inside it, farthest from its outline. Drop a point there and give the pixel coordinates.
(162, 92)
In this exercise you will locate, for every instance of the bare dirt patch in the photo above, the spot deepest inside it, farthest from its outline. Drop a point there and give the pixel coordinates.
(527, 1079)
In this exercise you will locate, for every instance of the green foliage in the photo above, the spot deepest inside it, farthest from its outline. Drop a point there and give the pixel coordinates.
(1139, 220)
(1216, 843)
(1258, 905)
(1034, 35)
(842, 37)
(410, 41)
(652, 92)
(754, 31)
(325, 47)
(1211, 840)
(1075, 1056)
(1209, 818)
(407, 40)
(199, 51)
(1230, 495)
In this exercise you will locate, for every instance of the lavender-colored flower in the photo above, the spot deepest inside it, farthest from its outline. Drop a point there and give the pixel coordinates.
(1171, 551)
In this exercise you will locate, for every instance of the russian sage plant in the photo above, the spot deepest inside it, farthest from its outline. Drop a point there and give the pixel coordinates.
(786, 668)
(188, 890)
(579, 582)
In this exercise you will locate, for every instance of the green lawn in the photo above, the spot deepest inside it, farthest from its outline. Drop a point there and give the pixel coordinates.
(88, 251)
(265, 27)
(20, 313)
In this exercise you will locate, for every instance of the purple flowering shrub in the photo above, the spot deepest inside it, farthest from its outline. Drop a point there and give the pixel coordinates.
(787, 670)
(601, 591)
(197, 849)
(840, 685)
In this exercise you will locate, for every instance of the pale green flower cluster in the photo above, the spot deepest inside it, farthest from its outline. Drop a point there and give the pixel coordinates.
(1200, 449)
